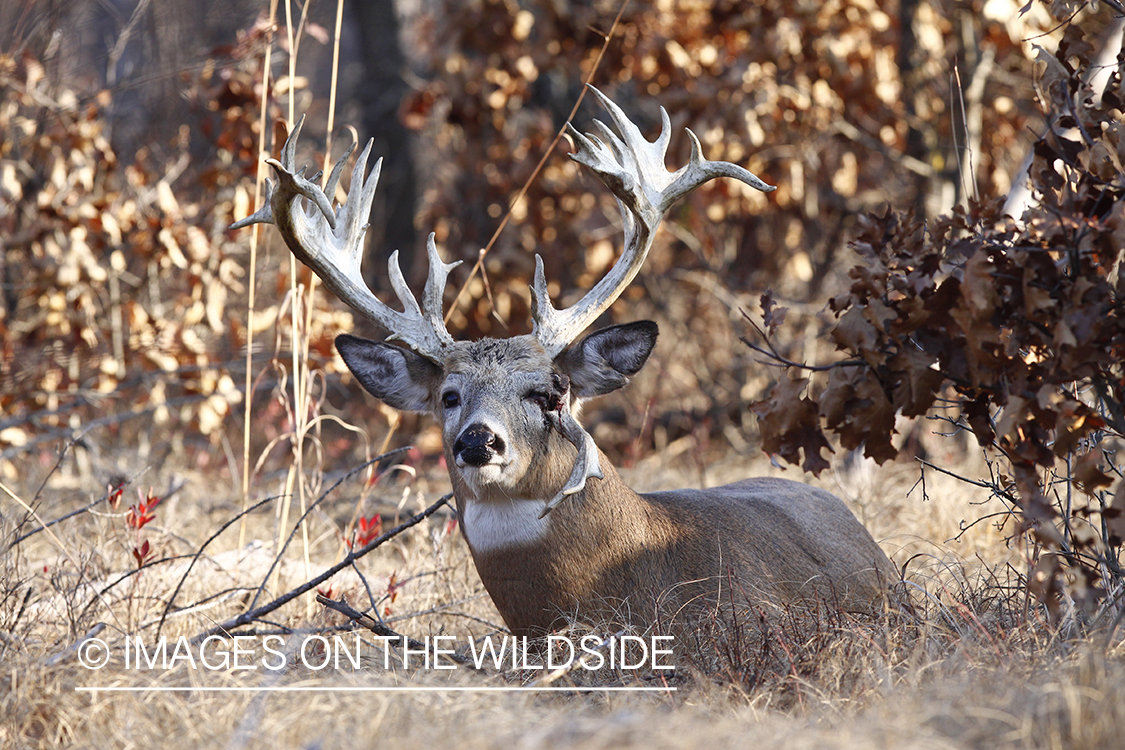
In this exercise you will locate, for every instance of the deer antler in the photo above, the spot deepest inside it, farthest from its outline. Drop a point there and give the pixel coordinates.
(633, 169)
(331, 244)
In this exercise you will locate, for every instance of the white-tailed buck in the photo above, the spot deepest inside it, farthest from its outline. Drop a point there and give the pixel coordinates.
(553, 529)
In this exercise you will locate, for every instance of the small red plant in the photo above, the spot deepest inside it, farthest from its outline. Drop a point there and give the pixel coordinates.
(143, 512)
(392, 592)
(365, 531)
(114, 495)
(137, 517)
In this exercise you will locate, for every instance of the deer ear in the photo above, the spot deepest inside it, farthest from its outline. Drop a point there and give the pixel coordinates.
(400, 377)
(606, 359)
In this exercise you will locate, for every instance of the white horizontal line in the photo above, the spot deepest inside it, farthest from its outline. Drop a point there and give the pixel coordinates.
(363, 689)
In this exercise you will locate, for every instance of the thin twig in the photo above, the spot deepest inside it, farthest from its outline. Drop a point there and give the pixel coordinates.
(62, 518)
(252, 272)
(332, 94)
(781, 361)
(974, 482)
(172, 490)
(62, 548)
(199, 552)
(125, 577)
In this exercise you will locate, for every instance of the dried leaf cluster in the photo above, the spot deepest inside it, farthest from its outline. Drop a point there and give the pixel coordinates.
(1015, 328)
(123, 293)
(831, 102)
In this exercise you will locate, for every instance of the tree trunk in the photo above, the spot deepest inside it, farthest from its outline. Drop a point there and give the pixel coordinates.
(392, 214)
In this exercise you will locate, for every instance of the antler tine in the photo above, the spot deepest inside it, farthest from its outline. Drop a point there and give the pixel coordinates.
(289, 148)
(331, 244)
(337, 171)
(432, 303)
(634, 171)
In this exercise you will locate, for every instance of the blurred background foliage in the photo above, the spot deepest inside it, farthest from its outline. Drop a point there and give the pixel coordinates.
(128, 143)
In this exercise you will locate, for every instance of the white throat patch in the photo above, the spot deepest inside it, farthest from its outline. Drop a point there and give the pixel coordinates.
(503, 524)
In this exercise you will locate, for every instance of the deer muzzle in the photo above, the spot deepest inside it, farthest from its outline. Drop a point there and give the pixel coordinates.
(478, 445)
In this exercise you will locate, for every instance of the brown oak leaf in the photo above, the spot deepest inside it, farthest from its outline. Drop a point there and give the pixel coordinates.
(789, 425)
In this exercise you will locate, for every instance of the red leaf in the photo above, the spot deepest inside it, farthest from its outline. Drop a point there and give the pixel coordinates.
(367, 530)
(115, 495)
(141, 554)
(392, 587)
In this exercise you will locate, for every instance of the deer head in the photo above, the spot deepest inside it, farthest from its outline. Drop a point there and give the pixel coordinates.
(507, 407)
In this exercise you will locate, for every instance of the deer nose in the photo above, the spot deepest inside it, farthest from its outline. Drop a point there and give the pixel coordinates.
(478, 444)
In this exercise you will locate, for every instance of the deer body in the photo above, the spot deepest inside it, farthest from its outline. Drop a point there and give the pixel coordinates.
(611, 555)
(553, 530)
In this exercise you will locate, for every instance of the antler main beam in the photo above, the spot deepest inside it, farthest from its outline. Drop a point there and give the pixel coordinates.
(331, 244)
(634, 171)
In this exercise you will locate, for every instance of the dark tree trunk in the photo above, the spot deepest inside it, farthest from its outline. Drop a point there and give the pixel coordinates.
(392, 214)
(908, 70)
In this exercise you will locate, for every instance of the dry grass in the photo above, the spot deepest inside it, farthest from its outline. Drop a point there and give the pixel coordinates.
(955, 704)
(978, 669)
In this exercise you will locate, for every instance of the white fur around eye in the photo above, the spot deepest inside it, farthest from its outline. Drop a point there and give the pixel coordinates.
(504, 524)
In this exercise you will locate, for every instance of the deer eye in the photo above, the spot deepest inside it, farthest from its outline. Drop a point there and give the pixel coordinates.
(450, 400)
(544, 400)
